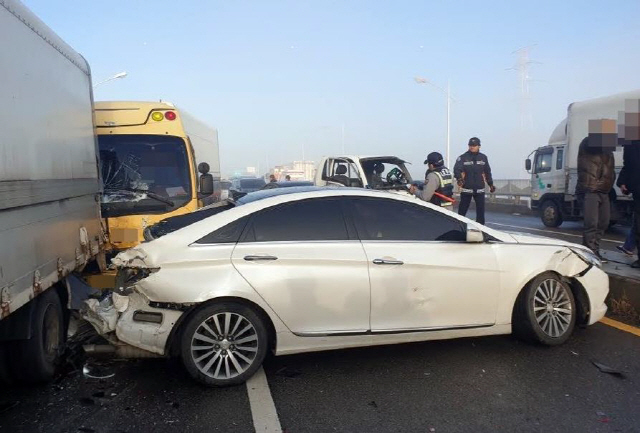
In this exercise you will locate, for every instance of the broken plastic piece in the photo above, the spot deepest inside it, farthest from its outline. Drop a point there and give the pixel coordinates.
(606, 369)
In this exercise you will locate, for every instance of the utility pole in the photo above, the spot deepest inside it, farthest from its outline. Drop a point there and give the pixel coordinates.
(447, 92)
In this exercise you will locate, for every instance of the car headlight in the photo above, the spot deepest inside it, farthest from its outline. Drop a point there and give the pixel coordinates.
(588, 257)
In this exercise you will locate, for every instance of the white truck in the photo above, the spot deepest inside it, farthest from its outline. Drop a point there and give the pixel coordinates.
(50, 220)
(554, 167)
(374, 172)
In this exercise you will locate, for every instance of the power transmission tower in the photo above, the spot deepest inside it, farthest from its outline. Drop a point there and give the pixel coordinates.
(523, 67)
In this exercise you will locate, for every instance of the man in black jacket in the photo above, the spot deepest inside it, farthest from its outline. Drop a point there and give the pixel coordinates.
(629, 183)
(472, 171)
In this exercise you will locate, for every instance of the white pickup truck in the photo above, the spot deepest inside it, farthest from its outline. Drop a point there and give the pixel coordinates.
(374, 172)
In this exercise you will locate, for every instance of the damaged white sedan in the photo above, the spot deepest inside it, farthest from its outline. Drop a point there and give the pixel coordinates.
(305, 269)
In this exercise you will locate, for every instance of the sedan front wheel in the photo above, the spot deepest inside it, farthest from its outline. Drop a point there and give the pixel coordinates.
(224, 344)
(545, 311)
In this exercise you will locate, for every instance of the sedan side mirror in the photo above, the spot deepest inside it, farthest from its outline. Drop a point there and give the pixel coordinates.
(527, 164)
(474, 235)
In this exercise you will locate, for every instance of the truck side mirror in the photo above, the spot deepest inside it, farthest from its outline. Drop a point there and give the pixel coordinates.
(206, 184)
(527, 164)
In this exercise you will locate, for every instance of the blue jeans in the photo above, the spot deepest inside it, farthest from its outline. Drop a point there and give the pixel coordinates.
(630, 241)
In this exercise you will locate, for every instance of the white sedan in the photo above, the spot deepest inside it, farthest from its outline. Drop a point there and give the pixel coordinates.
(305, 269)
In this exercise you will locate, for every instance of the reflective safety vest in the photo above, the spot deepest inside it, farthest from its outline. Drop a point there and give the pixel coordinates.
(445, 186)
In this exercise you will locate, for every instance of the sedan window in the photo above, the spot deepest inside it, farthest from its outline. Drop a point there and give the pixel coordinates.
(305, 220)
(226, 234)
(388, 219)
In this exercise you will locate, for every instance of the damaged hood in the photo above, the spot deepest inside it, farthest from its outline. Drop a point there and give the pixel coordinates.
(526, 238)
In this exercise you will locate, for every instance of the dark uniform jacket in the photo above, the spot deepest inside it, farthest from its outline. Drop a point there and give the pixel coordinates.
(473, 170)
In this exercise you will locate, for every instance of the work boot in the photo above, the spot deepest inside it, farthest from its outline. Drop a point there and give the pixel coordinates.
(636, 264)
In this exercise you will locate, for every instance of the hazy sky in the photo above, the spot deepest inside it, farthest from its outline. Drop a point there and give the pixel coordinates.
(279, 77)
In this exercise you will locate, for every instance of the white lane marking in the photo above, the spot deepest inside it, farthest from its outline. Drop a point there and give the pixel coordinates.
(550, 231)
(263, 410)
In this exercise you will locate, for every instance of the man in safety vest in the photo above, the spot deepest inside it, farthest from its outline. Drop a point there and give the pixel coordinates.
(438, 183)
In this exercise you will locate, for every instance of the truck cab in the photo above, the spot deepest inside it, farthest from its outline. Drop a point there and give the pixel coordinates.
(549, 178)
(374, 172)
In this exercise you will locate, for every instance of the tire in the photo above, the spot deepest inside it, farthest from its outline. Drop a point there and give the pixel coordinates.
(550, 214)
(231, 350)
(545, 294)
(37, 358)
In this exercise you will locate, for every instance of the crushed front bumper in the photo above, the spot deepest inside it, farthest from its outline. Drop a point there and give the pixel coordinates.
(596, 283)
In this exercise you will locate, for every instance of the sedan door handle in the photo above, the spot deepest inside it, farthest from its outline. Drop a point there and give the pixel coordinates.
(387, 262)
(258, 258)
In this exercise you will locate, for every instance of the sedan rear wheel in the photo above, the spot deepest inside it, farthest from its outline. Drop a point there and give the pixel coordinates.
(545, 311)
(224, 344)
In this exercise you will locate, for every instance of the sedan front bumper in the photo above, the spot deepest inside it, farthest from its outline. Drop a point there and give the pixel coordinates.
(596, 284)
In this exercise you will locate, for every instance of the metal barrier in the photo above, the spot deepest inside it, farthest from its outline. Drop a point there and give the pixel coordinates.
(512, 191)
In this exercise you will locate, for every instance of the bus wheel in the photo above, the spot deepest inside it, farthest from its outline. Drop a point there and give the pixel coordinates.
(550, 214)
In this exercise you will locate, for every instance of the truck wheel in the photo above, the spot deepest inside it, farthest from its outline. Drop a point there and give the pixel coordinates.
(36, 359)
(550, 214)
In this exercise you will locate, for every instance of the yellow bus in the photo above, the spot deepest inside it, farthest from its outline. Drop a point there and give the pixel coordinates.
(156, 162)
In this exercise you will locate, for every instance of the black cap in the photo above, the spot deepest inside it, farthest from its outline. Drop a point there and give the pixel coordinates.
(474, 141)
(434, 158)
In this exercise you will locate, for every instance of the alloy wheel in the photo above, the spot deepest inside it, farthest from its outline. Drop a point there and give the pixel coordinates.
(224, 345)
(552, 308)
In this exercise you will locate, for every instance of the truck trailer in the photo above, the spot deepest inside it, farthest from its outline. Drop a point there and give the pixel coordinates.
(50, 190)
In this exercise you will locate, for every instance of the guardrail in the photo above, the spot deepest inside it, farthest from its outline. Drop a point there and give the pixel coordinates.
(509, 191)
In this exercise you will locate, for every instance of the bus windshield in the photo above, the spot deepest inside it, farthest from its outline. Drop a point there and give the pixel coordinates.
(151, 170)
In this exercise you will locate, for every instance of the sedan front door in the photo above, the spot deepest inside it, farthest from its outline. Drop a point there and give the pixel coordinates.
(423, 272)
(308, 266)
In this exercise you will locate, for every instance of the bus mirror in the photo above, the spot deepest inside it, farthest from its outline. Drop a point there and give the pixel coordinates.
(206, 184)
(527, 164)
(203, 168)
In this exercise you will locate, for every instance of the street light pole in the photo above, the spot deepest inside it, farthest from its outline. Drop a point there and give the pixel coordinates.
(447, 92)
(115, 77)
(448, 122)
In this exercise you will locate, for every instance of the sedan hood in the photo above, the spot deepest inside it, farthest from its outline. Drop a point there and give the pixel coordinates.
(526, 238)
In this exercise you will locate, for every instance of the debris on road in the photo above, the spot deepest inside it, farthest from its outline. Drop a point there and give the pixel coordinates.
(602, 417)
(373, 404)
(606, 369)
(95, 371)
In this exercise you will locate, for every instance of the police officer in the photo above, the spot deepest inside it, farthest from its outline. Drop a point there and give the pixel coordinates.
(471, 171)
(438, 183)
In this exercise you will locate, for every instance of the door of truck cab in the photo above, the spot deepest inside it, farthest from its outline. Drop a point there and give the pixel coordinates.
(548, 175)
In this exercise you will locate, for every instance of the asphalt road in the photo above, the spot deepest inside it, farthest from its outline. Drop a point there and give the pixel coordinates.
(482, 384)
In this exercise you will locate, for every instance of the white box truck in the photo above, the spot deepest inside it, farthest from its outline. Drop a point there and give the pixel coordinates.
(554, 167)
(49, 189)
